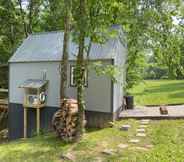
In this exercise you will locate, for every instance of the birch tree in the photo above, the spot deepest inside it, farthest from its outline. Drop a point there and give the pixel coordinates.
(64, 62)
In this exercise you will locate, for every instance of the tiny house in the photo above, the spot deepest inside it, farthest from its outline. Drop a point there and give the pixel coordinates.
(39, 57)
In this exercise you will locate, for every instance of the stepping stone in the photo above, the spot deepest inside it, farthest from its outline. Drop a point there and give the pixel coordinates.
(134, 141)
(111, 124)
(108, 151)
(125, 127)
(143, 126)
(68, 156)
(141, 130)
(141, 135)
(149, 146)
(145, 121)
(122, 146)
(141, 148)
(104, 144)
(98, 159)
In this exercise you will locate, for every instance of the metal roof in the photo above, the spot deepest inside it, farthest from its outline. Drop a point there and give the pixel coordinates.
(33, 83)
(48, 47)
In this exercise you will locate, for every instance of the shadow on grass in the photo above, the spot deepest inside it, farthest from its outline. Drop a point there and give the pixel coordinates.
(41, 148)
(164, 88)
(177, 95)
(170, 87)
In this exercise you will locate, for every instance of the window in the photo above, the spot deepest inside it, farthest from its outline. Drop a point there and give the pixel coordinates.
(73, 79)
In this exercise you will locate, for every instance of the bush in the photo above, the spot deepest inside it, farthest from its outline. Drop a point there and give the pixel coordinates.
(153, 71)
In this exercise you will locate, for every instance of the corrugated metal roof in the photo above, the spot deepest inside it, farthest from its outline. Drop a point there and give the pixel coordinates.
(48, 47)
(33, 83)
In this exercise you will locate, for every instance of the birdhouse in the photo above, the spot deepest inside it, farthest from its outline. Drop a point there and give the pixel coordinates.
(35, 91)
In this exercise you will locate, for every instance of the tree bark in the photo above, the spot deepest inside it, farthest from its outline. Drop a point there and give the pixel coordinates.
(64, 62)
(30, 16)
(23, 18)
(81, 71)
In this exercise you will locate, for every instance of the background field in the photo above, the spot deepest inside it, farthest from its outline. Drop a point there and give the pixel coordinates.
(159, 92)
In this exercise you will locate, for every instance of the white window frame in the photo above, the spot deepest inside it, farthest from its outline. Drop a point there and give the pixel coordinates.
(72, 82)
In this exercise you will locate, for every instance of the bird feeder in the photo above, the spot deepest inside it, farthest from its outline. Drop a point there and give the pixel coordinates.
(35, 91)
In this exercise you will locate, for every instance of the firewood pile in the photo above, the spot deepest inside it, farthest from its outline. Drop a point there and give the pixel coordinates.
(65, 120)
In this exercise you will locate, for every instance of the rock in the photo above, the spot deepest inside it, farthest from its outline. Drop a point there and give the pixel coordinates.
(68, 156)
(108, 151)
(104, 144)
(141, 130)
(149, 146)
(125, 127)
(98, 159)
(143, 126)
(145, 121)
(141, 148)
(141, 135)
(122, 146)
(111, 124)
(134, 141)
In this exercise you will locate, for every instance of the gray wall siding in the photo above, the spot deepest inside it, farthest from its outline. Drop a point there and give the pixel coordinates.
(120, 61)
(118, 96)
(19, 72)
(97, 94)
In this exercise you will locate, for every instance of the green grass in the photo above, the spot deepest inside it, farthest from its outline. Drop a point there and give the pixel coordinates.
(167, 138)
(159, 92)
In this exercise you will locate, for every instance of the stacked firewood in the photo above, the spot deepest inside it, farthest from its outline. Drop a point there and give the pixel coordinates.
(65, 120)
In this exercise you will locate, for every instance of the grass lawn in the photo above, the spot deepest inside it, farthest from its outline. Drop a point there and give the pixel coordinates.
(167, 138)
(157, 92)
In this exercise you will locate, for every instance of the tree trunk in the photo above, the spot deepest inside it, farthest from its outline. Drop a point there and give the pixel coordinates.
(64, 62)
(63, 121)
(23, 18)
(81, 71)
(30, 16)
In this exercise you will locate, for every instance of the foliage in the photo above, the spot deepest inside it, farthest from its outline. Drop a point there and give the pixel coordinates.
(155, 71)
(115, 73)
(154, 25)
(4, 76)
(158, 92)
(150, 26)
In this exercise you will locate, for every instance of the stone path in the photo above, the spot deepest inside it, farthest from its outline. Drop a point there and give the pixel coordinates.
(122, 146)
(140, 134)
(134, 140)
(109, 151)
(125, 127)
(174, 112)
(141, 130)
(68, 156)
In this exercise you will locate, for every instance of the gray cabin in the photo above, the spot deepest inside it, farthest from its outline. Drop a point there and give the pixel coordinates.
(40, 54)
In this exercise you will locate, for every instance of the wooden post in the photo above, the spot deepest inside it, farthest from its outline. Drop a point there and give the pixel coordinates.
(38, 120)
(25, 122)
